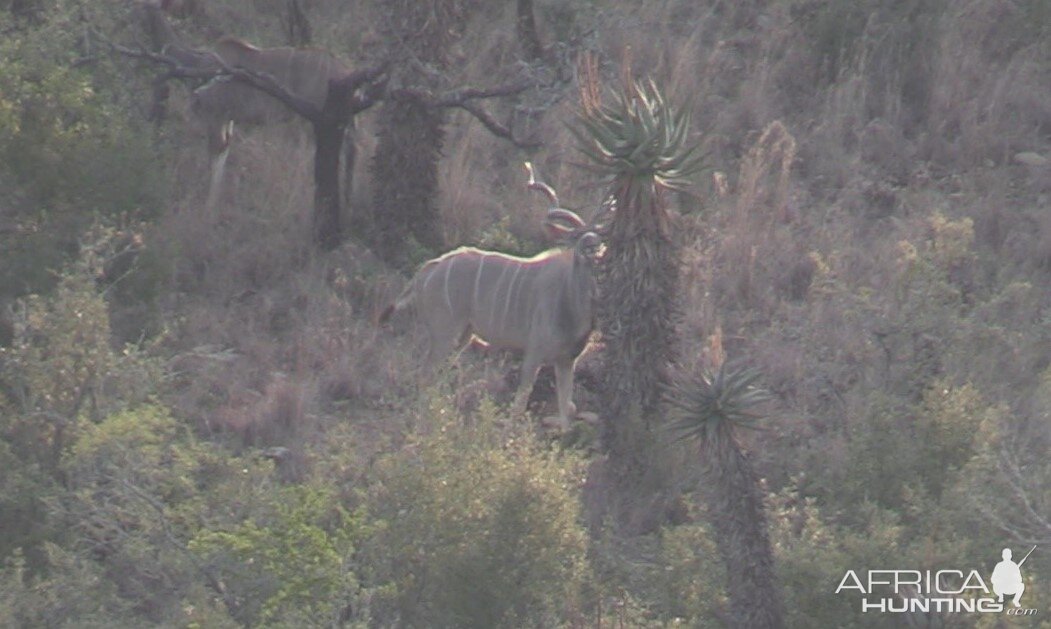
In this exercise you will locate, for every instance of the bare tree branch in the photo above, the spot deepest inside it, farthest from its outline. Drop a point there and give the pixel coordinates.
(497, 129)
(214, 68)
(457, 98)
(211, 67)
(462, 99)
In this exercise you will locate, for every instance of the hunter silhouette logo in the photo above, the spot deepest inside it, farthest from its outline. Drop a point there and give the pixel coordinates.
(941, 591)
(1007, 577)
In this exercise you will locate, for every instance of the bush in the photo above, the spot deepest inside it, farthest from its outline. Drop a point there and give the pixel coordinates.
(287, 564)
(62, 367)
(72, 594)
(135, 492)
(813, 553)
(70, 149)
(60, 374)
(475, 528)
(24, 491)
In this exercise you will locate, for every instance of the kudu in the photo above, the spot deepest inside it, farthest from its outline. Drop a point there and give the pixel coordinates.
(223, 101)
(542, 305)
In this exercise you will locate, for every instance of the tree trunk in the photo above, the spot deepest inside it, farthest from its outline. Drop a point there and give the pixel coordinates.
(299, 31)
(330, 131)
(328, 142)
(636, 308)
(525, 25)
(350, 159)
(639, 284)
(739, 524)
(405, 165)
(406, 179)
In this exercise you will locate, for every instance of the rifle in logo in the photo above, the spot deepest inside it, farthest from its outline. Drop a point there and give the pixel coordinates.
(1007, 577)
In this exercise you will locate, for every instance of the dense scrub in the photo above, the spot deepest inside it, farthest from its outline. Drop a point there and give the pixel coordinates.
(201, 425)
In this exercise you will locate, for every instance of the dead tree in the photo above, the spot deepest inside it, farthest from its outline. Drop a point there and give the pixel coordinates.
(346, 97)
(412, 124)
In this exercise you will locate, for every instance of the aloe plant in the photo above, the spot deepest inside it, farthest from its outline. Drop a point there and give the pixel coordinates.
(642, 146)
(639, 137)
(709, 408)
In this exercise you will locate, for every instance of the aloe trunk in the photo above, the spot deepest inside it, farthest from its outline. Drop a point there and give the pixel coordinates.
(640, 143)
(708, 409)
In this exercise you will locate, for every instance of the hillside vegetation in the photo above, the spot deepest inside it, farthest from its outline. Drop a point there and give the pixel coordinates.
(203, 425)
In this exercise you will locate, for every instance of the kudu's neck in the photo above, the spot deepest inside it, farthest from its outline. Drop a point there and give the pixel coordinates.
(583, 278)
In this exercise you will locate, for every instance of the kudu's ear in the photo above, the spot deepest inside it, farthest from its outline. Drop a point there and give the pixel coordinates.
(588, 245)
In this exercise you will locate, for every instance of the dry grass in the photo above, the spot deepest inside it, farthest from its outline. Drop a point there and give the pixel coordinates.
(792, 252)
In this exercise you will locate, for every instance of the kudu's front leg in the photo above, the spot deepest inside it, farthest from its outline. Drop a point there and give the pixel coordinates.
(219, 138)
(530, 367)
(567, 410)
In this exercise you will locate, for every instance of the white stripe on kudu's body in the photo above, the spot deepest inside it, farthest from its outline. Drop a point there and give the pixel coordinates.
(542, 305)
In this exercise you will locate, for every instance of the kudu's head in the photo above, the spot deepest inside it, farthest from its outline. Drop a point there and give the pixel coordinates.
(565, 227)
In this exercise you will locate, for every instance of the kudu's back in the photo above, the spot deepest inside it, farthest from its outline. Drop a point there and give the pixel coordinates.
(543, 306)
(223, 101)
(304, 72)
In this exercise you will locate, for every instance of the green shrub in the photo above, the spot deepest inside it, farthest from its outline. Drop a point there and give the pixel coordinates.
(813, 553)
(475, 528)
(288, 563)
(72, 593)
(62, 367)
(60, 375)
(135, 493)
(895, 450)
(71, 148)
(24, 491)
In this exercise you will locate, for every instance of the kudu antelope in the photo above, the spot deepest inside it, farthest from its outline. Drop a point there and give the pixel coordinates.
(223, 101)
(541, 305)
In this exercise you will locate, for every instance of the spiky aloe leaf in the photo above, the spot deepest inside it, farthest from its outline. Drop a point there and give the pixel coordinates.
(639, 135)
(706, 406)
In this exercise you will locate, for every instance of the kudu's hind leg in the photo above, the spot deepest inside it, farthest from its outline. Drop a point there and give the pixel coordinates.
(445, 336)
(218, 150)
(530, 367)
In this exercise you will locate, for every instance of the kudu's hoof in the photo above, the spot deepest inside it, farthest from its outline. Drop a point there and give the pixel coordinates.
(554, 423)
(588, 417)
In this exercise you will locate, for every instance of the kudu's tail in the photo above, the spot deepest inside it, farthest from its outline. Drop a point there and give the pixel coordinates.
(400, 303)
